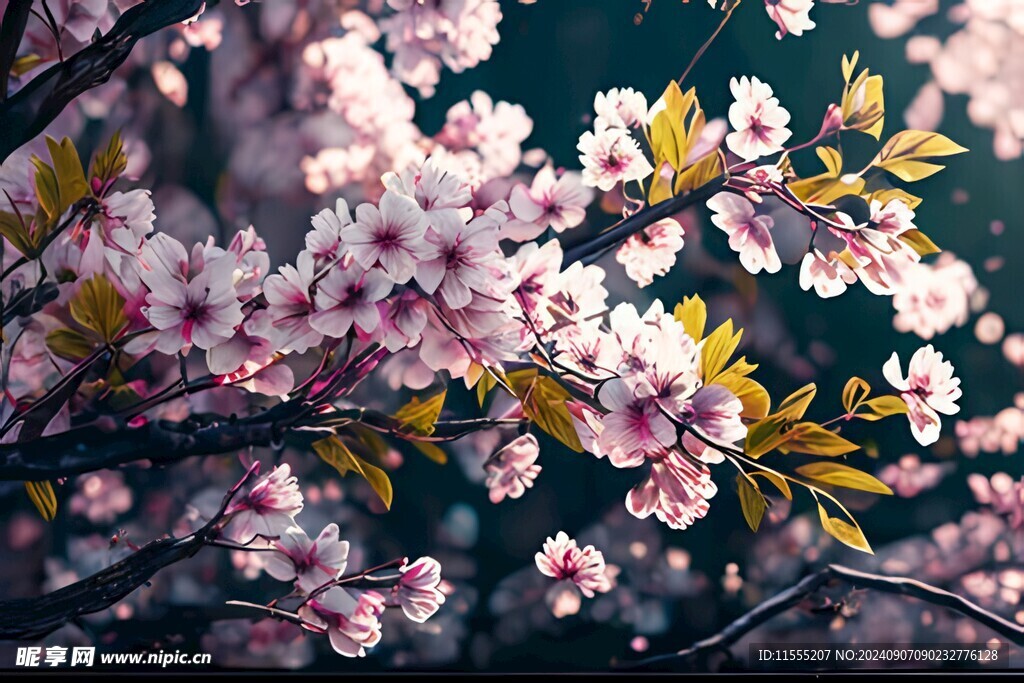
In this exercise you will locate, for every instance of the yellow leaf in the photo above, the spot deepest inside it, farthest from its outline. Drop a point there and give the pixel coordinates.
(98, 307)
(887, 195)
(661, 184)
(486, 383)
(854, 393)
(832, 159)
(717, 349)
(62, 184)
(919, 242)
(22, 65)
(764, 435)
(813, 439)
(543, 400)
(751, 501)
(336, 454)
(864, 105)
(754, 397)
(68, 344)
(795, 405)
(844, 532)
(699, 173)
(693, 314)
(829, 186)
(849, 64)
(432, 451)
(111, 162)
(902, 154)
(781, 484)
(43, 497)
(835, 474)
(16, 233)
(670, 137)
(883, 406)
(418, 417)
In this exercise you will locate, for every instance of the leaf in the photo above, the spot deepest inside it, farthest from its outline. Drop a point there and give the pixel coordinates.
(486, 383)
(902, 154)
(844, 532)
(781, 484)
(71, 183)
(661, 184)
(717, 349)
(754, 397)
(97, 306)
(919, 242)
(543, 400)
(699, 173)
(835, 474)
(432, 451)
(16, 233)
(68, 344)
(888, 194)
(795, 405)
(22, 65)
(693, 314)
(767, 433)
(849, 64)
(813, 439)
(336, 454)
(418, 417)
(43, 497)
(111, 162)
(670, 136)
(883, 406)
(854, 393)
(827, 187)
(864, 105)
(751, 501)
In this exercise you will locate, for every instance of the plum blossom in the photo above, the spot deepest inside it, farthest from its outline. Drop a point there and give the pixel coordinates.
(712, 414)
(828, 276)
(652, 251)
(619, 108)
(562, 559)
(495, 130)
(267, 510)
(309, 563)
(552, 202)
(417, 590)
(512, 469)
(749, 234)
(791, 16)
(347, 297)
(759, 122)
(389, 235)
(352, 621)
(909, 476)
(929, 389)
(611, 156)
(323, 242)
(1004, 494)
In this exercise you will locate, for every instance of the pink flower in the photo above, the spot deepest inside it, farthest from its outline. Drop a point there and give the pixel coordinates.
(438, 191)
(619, 108)
(512, 470)
(828, 276)
(561, 559)
(676, 492)
(324, 240)
(652, 251)
(758, 120)
(268, 510)
(611, 156)
(634, 428)
(310, 563)
(457, 258)
(714, 413)
(909, 476)
(352, 622)
(929, 389)
(749, 234)
(417, 590)
(556, 203)
(290, 305)
(1003, 493)
(389, 235)
(792, 16)
(495, 130)
(348, 296)
(934, 298)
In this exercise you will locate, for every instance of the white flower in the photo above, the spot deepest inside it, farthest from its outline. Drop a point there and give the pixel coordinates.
(792, 16)
(929, 389)
(512, 469)
(352, 621)
(758, 120)
(390, 234)
(562, 559)
(829, 277)
(268, 510)
(619, 108)
(611, 156)
(417, 590)
(749, 234)
(309, 563)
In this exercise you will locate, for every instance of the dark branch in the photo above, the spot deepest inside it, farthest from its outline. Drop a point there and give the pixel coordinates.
(11, 30)
(33, 618)
(795, 595)
(27, 113)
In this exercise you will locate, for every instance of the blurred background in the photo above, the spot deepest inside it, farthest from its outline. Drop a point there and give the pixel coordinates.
(675, 586)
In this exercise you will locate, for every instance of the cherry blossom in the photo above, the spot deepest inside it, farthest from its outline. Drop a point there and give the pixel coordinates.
(417, 590)
(389, 234)
(677, 492)
(620, 108)
(611, 156)
(929, 389)
(563, 560)
(758, 121)
(268, 509)
(310, 563)
(934, 297)
(828, 276)
(552, 202)
(351, 620)
(290, 305)
(458, 258)
(652, 251)
(512, 469)
(749, 234)
(792, 16)
(347, 297)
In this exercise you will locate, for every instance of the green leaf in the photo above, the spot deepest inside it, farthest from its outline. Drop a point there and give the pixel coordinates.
(835, 474)
(752, 502)
(418, 417)
(796, 404)
(43, 497)
(111, 162)
(69, 344)
(543, 400)
(97, 306)
(432, 451)
(844, 532)
(854, 393)
(813, 439)
(336, 454)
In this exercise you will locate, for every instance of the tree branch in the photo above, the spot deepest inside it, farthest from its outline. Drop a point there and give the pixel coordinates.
(31, 109)
(33, 618)
(11, 30)
(855, 579)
